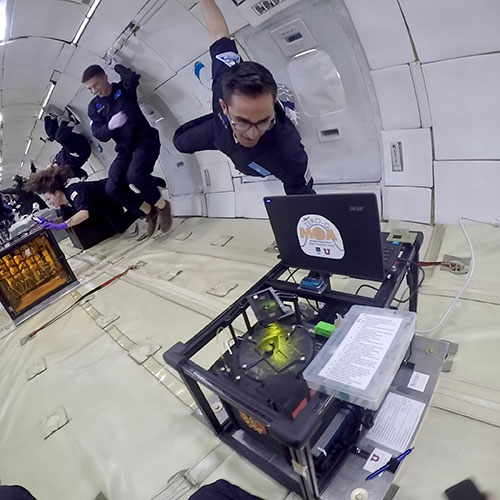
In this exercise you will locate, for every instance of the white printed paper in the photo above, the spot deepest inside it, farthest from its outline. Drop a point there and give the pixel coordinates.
(396, 422)
(360, 354)
(377, 459)
(418, 381)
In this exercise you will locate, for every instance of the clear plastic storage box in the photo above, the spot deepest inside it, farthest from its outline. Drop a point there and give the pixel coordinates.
(359, 361)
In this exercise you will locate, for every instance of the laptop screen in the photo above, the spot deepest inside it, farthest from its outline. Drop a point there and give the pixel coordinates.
(333, 233)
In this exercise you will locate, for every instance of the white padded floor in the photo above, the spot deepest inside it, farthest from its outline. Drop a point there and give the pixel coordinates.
(131, 434)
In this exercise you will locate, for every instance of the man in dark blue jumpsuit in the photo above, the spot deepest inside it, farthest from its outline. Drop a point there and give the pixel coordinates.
(15, 493)
(75, 147)
(222, 490)
(115, 114)
(24, 198)
(248, 124)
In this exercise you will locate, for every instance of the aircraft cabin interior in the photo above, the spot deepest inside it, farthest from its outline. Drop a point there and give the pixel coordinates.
(249, 250)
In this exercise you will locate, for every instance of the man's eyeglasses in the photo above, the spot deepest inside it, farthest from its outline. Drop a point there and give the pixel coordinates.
(262, 126)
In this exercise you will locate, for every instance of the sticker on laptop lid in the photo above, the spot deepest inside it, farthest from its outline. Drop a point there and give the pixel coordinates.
(319, 237)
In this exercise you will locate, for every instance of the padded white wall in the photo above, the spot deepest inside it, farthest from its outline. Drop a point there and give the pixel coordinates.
(445, 29)
(408, 204)
(464, 96)
(396, 98)
(467, 189)
(382, 31)
(448, 99)
(221, 204)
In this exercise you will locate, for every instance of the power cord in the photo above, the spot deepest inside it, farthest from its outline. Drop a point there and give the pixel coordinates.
(32, 334)
(471, 273)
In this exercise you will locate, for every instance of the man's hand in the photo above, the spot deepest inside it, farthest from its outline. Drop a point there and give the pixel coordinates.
(117, 120)
(214, 20)
(111, 62)
(47, 224)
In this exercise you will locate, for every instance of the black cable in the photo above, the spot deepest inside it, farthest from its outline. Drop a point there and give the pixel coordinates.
(291, 275)
(363, 286)
(420, 268)
(410, 349)
(411, 294)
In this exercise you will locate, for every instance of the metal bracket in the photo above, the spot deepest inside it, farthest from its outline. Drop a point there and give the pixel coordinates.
(54, 422)
(300, 469)
(222, 288)
(402, 235)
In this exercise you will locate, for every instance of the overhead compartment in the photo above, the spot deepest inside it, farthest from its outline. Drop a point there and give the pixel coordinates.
(23, 65)
(153, 69)
(81, 59)
(37, 19)
(107, 23)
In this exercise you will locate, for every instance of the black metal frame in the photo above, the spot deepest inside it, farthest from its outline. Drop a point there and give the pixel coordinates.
(292, 434)
(59, 257)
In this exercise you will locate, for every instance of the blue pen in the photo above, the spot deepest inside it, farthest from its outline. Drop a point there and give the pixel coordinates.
(386, 466)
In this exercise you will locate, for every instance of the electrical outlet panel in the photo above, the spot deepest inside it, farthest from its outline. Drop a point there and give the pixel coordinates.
(294, 37)
(258, 11)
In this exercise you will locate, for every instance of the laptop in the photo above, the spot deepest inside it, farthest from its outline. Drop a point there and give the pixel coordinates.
(332, 233)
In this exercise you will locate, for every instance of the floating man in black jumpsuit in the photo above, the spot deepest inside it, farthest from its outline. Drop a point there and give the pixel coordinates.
(248, 124)
(75, 147)
(115, 114)
(222, 490)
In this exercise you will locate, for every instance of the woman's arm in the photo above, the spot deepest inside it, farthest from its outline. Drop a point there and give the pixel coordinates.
(78, 218)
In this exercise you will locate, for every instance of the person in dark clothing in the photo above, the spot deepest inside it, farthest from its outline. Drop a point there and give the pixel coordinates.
(75, 147)
(26, 201)
(222, 490)
(88, 199)
(15, 493)
(115, 114)
(248, 124)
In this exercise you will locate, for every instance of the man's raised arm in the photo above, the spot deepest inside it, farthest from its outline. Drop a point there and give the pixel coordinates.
(214, 20)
